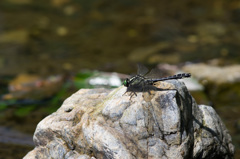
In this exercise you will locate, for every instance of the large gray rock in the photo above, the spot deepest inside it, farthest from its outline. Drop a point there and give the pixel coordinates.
(96, 123)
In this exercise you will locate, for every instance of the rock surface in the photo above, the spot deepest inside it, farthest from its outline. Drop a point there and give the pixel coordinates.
(97, 123)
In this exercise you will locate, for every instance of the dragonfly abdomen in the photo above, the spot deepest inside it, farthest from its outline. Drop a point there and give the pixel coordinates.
(177, 76)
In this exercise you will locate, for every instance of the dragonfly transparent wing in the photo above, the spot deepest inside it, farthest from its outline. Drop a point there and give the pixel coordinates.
(142, 70)
(154, 73)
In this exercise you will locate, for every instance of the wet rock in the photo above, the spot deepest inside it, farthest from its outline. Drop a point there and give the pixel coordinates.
(222, 84)
(97, 123)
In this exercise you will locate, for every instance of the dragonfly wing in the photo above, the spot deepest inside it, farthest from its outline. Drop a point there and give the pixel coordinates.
(154, 73)
(142, 70)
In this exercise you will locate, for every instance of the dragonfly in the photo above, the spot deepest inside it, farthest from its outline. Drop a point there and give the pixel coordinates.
(144, 80)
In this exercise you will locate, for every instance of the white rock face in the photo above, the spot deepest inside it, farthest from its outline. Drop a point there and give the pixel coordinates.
(96, 123)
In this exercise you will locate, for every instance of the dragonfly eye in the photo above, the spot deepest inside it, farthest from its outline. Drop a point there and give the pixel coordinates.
(126, 82)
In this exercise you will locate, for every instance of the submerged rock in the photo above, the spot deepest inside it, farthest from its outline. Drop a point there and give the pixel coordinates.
(97, 123)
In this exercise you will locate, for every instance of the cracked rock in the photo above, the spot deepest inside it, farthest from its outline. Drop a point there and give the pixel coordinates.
(99, 123)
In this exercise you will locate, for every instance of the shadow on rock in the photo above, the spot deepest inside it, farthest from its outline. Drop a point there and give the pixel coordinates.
(162, 123)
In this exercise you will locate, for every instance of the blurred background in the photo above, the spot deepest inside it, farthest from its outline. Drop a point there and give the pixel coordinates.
(51, 48)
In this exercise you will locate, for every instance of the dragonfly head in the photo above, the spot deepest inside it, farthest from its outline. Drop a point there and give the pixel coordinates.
(126, 82)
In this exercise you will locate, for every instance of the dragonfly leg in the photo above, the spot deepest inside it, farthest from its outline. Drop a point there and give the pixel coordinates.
(132, 94)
